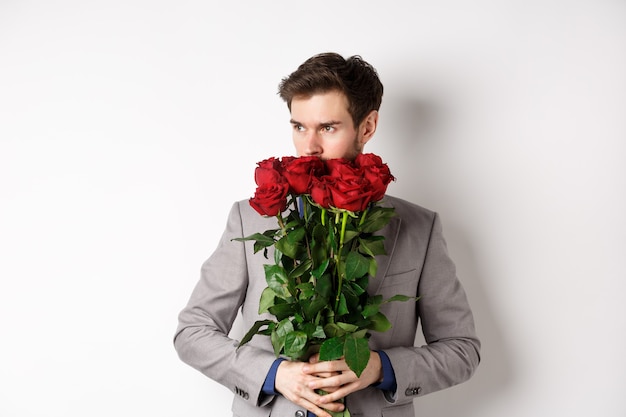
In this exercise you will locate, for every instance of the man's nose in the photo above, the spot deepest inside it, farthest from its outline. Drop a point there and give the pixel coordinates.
(313, 144)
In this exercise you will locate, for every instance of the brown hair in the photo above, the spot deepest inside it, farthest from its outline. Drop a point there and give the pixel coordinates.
(329, 71)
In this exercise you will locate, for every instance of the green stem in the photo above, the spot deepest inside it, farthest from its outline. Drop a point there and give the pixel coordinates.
(344, 222)
(363, 216)
(338, 297)
(281, 224)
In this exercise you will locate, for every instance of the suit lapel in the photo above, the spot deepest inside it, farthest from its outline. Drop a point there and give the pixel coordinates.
(390, 232)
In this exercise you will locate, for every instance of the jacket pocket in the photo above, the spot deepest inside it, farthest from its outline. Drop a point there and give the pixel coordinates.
(405, 410)
(400, 278)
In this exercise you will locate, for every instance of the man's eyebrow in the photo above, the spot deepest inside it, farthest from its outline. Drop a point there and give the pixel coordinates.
(322, 124)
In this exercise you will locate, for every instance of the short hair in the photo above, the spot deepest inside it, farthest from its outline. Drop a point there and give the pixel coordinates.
(329, 71)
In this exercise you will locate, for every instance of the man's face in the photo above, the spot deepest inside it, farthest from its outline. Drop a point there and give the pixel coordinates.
(322, 126)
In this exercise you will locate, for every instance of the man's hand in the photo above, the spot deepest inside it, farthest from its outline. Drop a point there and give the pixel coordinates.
(298, 387)
(339, 380)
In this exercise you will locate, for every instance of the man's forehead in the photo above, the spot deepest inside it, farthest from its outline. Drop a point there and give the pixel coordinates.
(331, 104)
(316, 93)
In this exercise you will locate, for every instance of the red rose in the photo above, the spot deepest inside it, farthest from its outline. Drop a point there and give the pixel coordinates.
(270, 199)
(353, 194)
(376, 172)
(343, 168)
(299, 172)
(268, 171)
(320, 191)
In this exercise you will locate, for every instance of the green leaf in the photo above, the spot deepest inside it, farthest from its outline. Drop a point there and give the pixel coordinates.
(358, 290)
(295, 343)
(276, 278)
(332, 241)
(370, 310)
(349, 235)
(278, 335)
(319, 244)
(268, 330)
(373, 267)
(290, 243)
(319, 333)
(352, 300)
(356, 266)
(301, 269)
(357, 354)
(262, 241)
(287, 247)
(379, 323)
(324, 286)
(297, 234)
(282, 311)
(373, 246)
(308, 328)
(267, 300)
(295, 222)
(347, 327)
(400, 297)
(277, 256)
(360, 334)
(307, 290)
(377, 218)
(311, 308)
(332, 349)
(332, 330)
(343, 307)
(298, 318)
(258, 247)
(253, 330)
(285, 326)
(277, 343)
(363, 282)
(319, 271)
(375, 299)
(258, 237)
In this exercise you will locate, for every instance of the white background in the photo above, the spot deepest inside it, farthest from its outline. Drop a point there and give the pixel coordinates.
(127, 129)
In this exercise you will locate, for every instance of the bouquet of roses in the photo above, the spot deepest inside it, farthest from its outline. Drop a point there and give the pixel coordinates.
(325, 245)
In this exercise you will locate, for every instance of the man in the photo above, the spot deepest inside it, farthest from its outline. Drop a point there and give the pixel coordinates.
(334, 106)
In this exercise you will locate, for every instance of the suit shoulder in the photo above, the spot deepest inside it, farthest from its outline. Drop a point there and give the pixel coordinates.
(244, 209)
(409, 210)
(251, 221)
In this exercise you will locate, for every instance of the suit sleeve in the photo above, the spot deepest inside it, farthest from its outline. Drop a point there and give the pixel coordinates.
(452, 351)
(201, 338)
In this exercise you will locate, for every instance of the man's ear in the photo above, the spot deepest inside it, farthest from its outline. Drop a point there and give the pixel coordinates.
(367, 128)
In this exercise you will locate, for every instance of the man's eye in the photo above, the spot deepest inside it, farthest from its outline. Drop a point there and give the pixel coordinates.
(298, 128)
(328, 128)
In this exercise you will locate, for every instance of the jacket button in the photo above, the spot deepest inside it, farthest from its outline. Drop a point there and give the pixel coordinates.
(300, 413)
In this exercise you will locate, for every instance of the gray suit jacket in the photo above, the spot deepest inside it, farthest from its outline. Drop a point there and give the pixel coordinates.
(417, 264)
